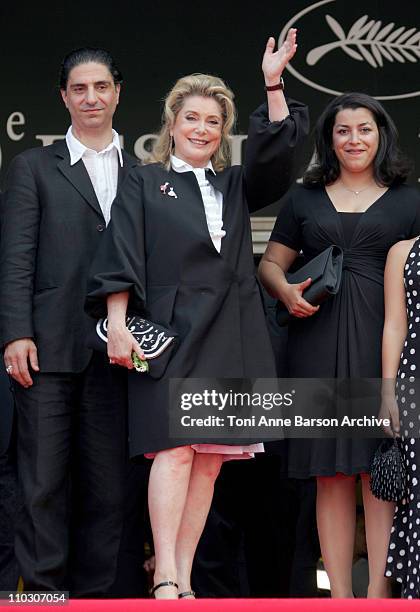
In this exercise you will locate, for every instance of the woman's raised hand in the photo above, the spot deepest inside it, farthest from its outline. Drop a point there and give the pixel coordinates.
(274, 62)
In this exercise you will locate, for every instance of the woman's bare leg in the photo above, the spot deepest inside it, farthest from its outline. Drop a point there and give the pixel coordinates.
(206, 467)
(378, 522)
(336, 518)
(168, 489)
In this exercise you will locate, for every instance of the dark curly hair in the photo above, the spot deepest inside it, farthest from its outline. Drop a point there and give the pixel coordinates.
(84, 55)
(390, 167)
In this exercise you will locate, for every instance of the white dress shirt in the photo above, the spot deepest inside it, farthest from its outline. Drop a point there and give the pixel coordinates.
(212, 199)
(101, 167)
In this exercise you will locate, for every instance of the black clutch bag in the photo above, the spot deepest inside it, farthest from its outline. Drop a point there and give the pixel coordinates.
(325, 271)
(156, 342)
(388, 479)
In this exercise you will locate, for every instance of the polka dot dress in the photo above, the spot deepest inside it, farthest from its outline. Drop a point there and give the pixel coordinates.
(403, 561)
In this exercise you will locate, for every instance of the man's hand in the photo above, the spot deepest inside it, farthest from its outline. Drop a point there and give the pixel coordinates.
(17, 355)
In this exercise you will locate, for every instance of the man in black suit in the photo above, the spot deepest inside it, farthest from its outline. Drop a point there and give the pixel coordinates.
(70, 404)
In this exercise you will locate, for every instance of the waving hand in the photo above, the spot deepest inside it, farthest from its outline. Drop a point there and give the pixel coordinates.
(274, 62)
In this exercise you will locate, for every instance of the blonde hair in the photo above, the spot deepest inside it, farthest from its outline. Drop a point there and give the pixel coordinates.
(196, 85)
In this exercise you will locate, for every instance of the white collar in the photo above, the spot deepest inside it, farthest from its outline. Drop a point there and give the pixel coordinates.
(179, 165)
(77, 148)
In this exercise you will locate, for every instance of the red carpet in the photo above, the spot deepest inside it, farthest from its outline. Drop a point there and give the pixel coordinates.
(232, 605)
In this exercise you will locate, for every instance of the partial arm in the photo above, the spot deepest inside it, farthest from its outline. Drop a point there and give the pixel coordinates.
(276, 134)
(395, 329)
(20, 217)
(119, 265)
(118, 276)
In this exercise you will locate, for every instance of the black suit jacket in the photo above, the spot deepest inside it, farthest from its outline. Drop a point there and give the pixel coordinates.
(6, 406)
(51, 226)
(6, 411)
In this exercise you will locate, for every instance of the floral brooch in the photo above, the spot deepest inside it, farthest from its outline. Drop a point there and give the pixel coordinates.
(166, 189)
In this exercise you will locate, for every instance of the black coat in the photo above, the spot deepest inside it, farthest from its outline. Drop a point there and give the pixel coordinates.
(159, 249)
(51, 226)
(6, 406)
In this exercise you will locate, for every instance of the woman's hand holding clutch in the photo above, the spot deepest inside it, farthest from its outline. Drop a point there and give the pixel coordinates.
(292, 298)
(122, 345)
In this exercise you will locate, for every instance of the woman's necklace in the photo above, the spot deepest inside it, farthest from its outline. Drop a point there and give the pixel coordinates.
(357, 192)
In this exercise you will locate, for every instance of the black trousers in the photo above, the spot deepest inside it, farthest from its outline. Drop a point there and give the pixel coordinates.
(9, 504)
(9, 499)
(72, 461)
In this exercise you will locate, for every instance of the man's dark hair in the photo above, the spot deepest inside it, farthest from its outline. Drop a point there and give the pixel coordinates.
(389, 166)
(83, 56)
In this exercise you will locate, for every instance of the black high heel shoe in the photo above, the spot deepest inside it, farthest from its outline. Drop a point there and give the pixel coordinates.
(169, 583)
(186, 594)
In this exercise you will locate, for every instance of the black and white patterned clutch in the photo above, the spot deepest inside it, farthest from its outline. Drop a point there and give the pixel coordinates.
(156, 342)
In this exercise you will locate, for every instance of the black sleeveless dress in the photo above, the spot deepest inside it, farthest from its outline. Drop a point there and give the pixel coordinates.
(343, 339)
(403, 561)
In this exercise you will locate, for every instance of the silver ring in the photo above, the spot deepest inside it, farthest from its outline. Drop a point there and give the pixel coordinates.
(9, 369)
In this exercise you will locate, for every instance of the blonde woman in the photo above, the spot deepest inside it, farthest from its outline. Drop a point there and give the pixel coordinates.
(179, 247)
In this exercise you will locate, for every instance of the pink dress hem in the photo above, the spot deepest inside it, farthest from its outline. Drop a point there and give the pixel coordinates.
(229, 452)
